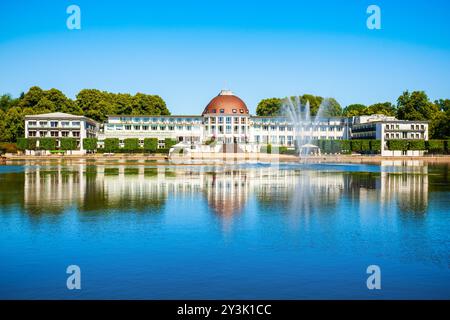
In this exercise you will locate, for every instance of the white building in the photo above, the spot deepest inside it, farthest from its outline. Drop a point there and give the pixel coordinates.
(225, 121)
(61, 125)
(387, 128)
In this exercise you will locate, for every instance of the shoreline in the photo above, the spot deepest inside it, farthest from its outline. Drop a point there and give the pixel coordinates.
(227, 157)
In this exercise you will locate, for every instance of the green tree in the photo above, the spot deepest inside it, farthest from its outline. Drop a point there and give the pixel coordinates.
(131, 145)
(330, 108)
(6, 102)
(385, 108)
(269, 107)
(90, 144)
(111, 144)
(68, 144)
(397, 145)
(3, 136)
(14, 125)
(168, 143)
(22, 144)
(47, 143)
(354, 110)
(314, 102)
(150, 144)
(435, 146)
(415, 106)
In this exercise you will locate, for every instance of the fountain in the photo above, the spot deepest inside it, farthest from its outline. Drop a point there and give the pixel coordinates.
(304, 124)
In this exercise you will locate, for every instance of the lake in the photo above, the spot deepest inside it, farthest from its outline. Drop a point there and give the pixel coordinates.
(141, 230)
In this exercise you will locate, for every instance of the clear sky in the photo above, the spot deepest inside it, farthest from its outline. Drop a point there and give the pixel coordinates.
(186, 51)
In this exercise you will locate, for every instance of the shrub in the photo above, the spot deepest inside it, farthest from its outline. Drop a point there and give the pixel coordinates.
(168, 143)
(22, 144)
(356, 145)
(416, 145)
(68, 144)
(435, 146)
(47, 143)
(375, 146)
(111, 144)
(397, 145)
(150, 144)
(8, 147)
(90, 144)
(345, 146)
(131, 145)
(32, 144)
(285, 150)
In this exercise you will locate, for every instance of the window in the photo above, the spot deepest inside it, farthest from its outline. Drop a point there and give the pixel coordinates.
(65, 133)
(220, 119)
(228, 119)
(222, 110)
(154, 128)
(243, 120)
(43, 123)
(137, 127)
(76, 133)
(127, 127)
(54, 133)
(32, 123)
(213, 111)
(171, 128)
(42, 133)
(76, 123)
(32, 133)
(241, 110)
(228, 128)
(162, 128)
(234, 111)
(144, 127)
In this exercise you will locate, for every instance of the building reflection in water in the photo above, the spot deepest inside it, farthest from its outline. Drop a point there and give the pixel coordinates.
(226, 191)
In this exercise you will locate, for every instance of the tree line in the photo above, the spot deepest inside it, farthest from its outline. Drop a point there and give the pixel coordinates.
(92, 103)
(410, 106)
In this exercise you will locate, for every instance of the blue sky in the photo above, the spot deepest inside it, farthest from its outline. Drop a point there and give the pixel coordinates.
(186, 51)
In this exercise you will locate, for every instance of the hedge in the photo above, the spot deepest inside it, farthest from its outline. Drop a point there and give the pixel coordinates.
(47, 143)
(32, 144)
(90, 144)
(68, 144)
(168, 143)
(8, 147)
(111, 144)
(150, 144)
(131, 145)
(435, 146)
(375, 146)
(416, 145)
(22, 144)
(407, 145)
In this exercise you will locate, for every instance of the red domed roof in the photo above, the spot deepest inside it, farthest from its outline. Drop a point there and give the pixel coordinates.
(226, 103)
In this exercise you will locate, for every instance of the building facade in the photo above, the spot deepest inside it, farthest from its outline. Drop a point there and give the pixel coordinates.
(61, 125)
(225, 120)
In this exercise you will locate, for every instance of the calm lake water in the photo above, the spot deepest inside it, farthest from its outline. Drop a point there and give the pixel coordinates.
(292, 231)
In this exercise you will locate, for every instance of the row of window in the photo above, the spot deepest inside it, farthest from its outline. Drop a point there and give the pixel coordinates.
(232, 110)
(54, 124)
(55, 134)
(156, 120)
(412, 127)
(290, 128)
(129, 127)
(404, 135)
(228, 129)
(228, 120)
